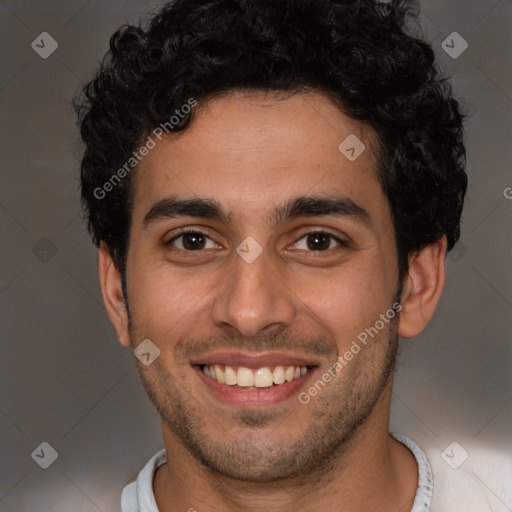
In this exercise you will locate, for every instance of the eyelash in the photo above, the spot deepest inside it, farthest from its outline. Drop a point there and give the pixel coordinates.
(186, 231)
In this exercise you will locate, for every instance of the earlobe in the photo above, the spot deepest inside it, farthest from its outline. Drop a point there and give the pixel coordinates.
(423, 288)
(111, 289)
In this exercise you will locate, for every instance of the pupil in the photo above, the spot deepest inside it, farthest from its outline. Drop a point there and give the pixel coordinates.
(193, 241)
(318, 242)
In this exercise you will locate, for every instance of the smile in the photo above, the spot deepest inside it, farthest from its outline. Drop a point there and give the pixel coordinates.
(248, 378)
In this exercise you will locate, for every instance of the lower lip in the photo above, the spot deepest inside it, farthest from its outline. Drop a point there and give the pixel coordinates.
(251, 398)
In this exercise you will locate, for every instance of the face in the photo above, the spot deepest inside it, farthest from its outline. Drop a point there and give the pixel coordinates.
(257, 246)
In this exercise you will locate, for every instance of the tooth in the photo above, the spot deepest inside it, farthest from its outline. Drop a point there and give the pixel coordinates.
(230, 376)
(212, 372)
(245, 377)
(263, 378)
(279, 377)
(260, 378)
(219, 374)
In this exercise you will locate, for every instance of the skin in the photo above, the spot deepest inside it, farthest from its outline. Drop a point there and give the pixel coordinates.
(252, 152)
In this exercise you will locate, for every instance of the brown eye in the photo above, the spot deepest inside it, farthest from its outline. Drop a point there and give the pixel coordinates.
(192, 241)
(318, 241)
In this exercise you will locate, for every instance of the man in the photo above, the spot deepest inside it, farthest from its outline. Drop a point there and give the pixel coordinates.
(273, 187)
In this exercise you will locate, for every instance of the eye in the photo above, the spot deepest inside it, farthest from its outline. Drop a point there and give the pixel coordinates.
(318, 241)
(192, 241)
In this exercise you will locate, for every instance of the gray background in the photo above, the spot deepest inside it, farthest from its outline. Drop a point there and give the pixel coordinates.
(65, 379)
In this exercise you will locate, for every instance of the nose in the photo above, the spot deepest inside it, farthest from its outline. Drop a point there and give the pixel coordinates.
(253, 299)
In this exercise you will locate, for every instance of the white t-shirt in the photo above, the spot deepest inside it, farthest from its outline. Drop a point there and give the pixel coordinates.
(459, 492)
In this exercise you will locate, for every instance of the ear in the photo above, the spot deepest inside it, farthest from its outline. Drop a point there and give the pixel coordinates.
(422, 288)
(111, 289)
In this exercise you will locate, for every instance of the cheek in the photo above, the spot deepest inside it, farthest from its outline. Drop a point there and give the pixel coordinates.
(347, 301)
(166, 302)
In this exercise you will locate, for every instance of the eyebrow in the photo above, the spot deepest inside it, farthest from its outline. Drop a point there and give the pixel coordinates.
(302, 206)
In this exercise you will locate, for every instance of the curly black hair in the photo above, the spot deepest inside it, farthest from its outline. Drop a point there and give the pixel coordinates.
(357, 52)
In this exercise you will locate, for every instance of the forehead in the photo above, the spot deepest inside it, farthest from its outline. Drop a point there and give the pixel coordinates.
(251, 151)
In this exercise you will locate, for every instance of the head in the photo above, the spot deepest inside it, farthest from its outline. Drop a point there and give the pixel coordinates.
(243, 109)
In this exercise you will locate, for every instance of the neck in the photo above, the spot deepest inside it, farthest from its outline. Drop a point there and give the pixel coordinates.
(370, 471)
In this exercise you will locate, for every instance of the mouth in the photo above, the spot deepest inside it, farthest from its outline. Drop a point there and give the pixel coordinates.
(248, 381)
(242, 377)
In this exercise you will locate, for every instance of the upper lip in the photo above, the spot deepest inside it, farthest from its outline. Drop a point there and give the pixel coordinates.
(254, 361)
